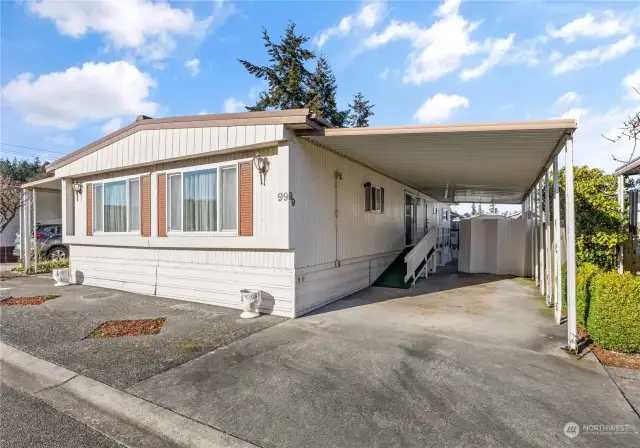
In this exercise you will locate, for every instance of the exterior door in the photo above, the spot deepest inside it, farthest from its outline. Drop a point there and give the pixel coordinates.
(410, 219)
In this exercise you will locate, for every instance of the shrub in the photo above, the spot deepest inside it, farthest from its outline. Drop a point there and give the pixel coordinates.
(613, 319)
(584, 274)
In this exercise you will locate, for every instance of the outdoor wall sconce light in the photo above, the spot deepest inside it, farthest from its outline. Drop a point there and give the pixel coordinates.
(77, 188)
(262, 165)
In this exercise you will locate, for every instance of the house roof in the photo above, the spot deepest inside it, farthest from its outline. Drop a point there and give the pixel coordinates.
(483, 162)
(631, 167)
(293, 118)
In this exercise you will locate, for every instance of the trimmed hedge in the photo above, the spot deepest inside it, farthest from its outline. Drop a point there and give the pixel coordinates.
(613, 319)
(584, 275)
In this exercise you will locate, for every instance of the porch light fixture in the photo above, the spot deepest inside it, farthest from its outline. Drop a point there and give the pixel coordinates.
(262, 165)
(77, 188)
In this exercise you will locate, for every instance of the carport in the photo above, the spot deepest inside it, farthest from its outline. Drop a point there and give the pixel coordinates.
(507, 163)
(28, 217)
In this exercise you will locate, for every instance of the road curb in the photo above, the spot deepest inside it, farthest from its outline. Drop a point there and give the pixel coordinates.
(101, 407)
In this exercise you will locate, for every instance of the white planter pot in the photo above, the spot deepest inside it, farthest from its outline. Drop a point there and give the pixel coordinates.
(61, 276)
(250, 300)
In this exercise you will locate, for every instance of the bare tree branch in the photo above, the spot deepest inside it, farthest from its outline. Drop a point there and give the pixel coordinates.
(630, 130)
(10, 200)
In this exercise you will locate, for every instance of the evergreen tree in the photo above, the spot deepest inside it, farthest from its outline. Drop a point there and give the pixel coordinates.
(473, 209)
(286, 75)
(493, 209)
(322, 92)
(480, 208)
(360, 111)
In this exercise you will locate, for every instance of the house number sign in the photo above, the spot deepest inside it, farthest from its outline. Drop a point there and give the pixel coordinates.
(287, 197)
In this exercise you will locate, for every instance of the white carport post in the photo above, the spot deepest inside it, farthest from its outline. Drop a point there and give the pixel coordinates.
(541, 254)
(534, 230)
(557, 255)
(25, 230)
(570, 225)
(621, 206)
(35, 233)
(547, 240)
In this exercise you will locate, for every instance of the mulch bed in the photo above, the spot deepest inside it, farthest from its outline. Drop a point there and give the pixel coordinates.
(37, 300)
(119, 328)
(609, 357)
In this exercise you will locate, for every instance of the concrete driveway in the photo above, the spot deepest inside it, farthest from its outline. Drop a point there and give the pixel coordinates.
(457, 361)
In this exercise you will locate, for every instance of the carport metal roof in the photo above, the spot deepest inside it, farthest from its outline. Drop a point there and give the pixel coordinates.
(485, 162)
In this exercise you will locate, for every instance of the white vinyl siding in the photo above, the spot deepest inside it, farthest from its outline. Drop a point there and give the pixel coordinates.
(150, 146)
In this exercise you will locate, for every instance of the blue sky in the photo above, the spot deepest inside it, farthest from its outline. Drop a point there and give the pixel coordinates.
(73, 71)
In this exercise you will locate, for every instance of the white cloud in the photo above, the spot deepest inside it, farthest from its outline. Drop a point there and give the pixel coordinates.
(632, 83)
(193, 65)
(498, 48)
(568, 98)
(575, 113)
(384, 74)
(61, 140)
(607, 25)
(595, 56)
(112, 125)
(369, 15)
(232, 104)
(93, 92)
(440, 107)
(148, 27)
(204, 112)
(440, 48)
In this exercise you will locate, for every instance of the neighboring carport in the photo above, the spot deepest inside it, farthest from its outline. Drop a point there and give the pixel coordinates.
(29, 217)
(631, 168)
(507, 163)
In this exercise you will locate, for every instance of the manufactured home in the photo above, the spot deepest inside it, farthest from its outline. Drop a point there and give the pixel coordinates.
(198, 208)
(202, 207)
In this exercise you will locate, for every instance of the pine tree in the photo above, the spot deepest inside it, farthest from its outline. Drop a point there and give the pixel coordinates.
(493, 209)
(360, 111)
(473, 209)
(287, 75)
(480, 208)
(322, 93)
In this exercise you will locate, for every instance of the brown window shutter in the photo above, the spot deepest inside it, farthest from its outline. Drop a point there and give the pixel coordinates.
(89, 209)
(245, 199)
(145, 205)
(162, 205)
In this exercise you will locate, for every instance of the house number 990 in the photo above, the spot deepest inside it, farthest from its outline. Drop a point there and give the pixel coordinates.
(286, 197)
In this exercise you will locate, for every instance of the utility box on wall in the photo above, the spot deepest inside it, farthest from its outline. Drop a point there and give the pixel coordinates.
(492, 245)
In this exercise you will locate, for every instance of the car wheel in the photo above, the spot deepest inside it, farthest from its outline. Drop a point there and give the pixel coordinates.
(58, 253)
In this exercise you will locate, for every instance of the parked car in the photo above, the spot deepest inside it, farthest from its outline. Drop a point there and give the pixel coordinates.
(49, 241)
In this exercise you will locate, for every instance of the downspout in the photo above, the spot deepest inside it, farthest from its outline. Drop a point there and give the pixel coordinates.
(338, 176)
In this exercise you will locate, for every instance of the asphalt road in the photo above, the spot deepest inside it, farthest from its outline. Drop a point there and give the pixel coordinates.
(28, 422)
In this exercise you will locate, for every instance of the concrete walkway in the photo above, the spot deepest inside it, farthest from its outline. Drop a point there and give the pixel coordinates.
(457, 361)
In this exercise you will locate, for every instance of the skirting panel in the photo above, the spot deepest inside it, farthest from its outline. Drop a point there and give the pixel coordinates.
(213, 277)
(319, 285)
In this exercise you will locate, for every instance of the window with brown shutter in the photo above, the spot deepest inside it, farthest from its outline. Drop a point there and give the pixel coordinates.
(145, 205)
(89, 191)
(245, 199)
(162, 205)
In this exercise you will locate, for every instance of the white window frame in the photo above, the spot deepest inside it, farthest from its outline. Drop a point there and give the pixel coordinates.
(218, 167)
(373, 207)
(97, 232)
